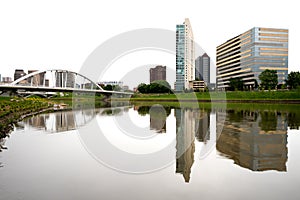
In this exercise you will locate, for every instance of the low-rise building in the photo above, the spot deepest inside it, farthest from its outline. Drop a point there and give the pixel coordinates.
(197, 85)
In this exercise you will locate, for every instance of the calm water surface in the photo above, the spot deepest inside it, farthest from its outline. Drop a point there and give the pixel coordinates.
(241, 152)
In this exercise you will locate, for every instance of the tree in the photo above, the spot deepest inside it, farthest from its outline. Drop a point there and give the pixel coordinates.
(116, 88)
(293, 80)
(143, 88)
(269, 79)
(255, 84)
(108, 87)
(236, 84)
(159, 86)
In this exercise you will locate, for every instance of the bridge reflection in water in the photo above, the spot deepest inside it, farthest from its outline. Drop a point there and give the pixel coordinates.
(62, 121)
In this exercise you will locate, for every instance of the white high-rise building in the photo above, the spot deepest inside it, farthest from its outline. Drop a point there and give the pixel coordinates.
(185, 56)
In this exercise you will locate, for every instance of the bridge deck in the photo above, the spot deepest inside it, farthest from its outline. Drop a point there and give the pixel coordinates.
(58, 89)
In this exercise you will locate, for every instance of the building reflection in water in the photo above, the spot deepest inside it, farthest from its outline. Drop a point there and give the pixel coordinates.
(202, 128)
(68, 120)
(189, 123)
(158, 116)
(185, 146)
(61, 121)
(255, 140)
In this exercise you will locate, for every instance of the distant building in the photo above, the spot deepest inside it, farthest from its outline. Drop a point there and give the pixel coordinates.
(248, 54)
(6, 79)
(185, 56)
(64, 79)
(197, 85)
(157, 73)
(37, 79)
(119, 83)
(125, 87)
(202, 68)
(18, 74)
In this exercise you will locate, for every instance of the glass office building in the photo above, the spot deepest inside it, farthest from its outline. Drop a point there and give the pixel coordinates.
(247, 55)
(185, 56)
(202, 67)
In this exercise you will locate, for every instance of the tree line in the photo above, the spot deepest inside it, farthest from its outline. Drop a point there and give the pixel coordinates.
(158, 86)
(269, 81)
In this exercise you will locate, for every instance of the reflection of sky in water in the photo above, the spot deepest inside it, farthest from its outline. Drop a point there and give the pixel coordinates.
(44, 166)
(130, 141)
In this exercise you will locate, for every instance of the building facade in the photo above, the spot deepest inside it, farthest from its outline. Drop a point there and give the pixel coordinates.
(197, 85)
(157, 73)
(202, 68)
(185, 56)
(18, 74)
(247, 55)
(36, 80)
(64, 79)
(6, 79)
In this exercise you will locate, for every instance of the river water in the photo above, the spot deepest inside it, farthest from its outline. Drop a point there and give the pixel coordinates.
(155, 152)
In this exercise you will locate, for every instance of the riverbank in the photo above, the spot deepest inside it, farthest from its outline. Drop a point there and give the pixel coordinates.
(13, 110)
(290, 97)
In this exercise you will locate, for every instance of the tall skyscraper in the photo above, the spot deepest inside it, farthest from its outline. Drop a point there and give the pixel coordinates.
(247, 55)
(202, 68)
(157, 73)
(185, 56)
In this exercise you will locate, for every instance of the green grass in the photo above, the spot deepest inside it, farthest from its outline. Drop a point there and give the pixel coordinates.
(11, 109)
(236, 106)
(237, 95)
(264, 95)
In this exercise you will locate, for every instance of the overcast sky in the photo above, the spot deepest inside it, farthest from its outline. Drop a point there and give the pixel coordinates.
(62, 34)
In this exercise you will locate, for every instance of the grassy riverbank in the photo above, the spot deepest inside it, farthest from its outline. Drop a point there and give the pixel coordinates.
(237, 96)
(217, 106)
(14, 109)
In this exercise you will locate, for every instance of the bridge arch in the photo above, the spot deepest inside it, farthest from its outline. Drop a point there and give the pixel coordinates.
(62, 74)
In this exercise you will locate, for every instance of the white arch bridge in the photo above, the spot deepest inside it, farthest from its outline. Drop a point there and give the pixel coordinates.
(49, 82)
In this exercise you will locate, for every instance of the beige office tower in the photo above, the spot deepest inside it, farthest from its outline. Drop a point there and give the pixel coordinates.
(248, 54)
